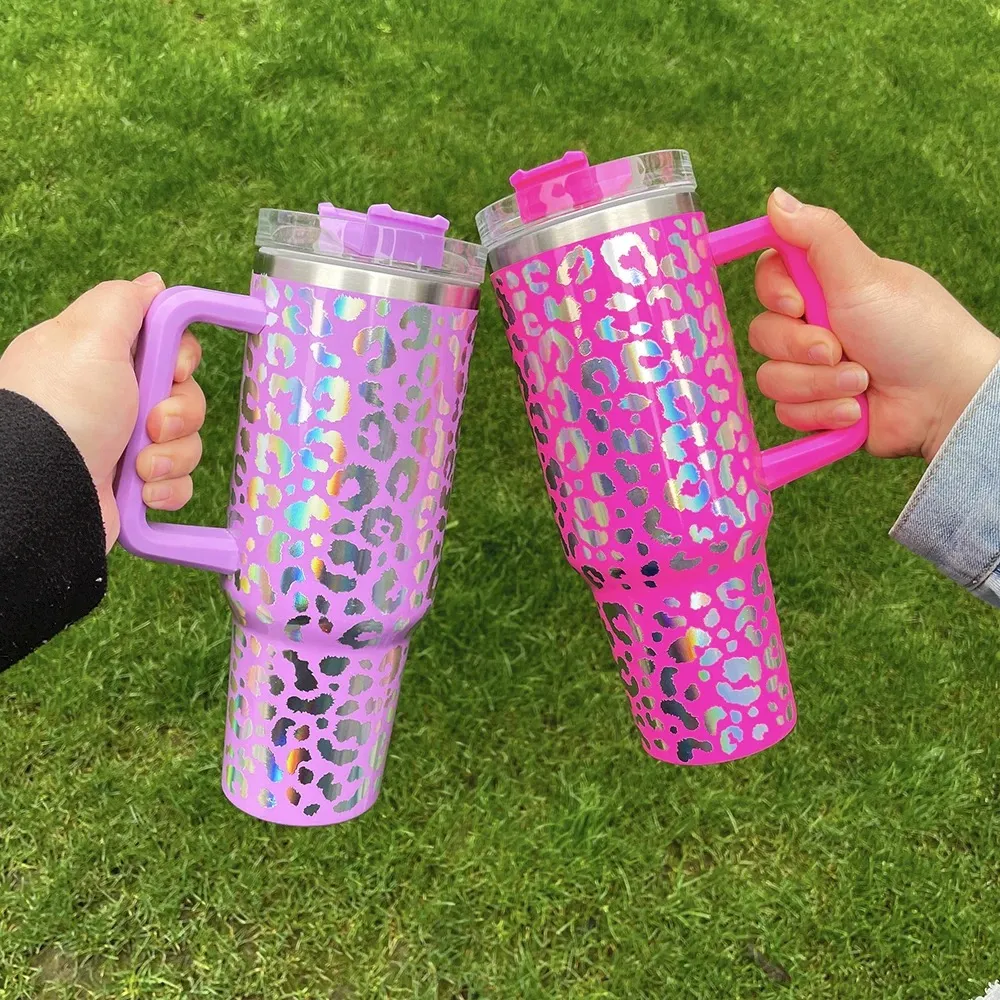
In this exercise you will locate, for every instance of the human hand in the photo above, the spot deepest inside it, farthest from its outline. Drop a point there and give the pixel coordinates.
(78, 367)
(918, 354)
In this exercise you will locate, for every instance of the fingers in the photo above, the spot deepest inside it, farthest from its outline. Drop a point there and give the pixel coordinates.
(170, 495)
(842, 262)
(819, 415)
(188, 357)
(788, 382)
(159, 462)
(812, 386)
(784, 339)
(111, 313)
(774, 287)
(180, 415)
(814, 397)
(173, 425)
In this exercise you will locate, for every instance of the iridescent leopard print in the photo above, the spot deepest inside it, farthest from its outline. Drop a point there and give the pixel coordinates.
(636, 401)
(349, 422)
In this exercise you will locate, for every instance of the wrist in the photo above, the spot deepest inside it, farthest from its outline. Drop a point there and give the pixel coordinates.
(971, 364)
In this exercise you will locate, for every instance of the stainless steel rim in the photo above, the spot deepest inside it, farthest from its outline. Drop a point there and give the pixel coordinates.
(592, 222)
(368, 280)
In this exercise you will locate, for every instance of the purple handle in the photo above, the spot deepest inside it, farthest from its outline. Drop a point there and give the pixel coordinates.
(796, 458)
(155, 359)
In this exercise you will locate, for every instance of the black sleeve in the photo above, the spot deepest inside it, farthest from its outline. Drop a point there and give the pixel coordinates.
(53, 567)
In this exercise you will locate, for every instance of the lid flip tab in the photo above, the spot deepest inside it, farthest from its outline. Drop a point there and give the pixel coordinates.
(573, 186)
(568, 182)
(384, 234)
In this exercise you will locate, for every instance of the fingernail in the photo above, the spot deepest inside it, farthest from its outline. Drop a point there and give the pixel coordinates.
(149, 278)
(852, 380)
(161, 466)
(847, 412)
(785, 201)
(171, 428)
(821, 354)
(156, 494)
(789, 306)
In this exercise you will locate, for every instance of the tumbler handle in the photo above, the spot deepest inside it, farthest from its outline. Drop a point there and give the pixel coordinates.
(159, 341)
(793, 459)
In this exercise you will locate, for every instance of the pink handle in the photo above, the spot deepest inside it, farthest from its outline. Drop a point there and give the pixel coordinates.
(155, 359)
(795, 458)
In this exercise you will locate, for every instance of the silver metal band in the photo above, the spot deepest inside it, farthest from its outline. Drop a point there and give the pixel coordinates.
(592, 222)
(368, 280)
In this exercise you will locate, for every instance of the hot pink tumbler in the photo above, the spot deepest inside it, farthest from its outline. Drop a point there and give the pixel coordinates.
(606, 279)
(361, 326)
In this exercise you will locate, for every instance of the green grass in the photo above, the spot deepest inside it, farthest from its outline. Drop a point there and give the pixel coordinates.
(523, 846)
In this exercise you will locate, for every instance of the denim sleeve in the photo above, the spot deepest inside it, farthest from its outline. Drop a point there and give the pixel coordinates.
(953, 517)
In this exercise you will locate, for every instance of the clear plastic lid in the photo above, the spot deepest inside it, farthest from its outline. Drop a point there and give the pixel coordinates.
(570, 185)
(398, 241)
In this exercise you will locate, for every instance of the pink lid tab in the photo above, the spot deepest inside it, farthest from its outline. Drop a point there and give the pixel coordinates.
(566, 183)
(572, 185)
(384, 234)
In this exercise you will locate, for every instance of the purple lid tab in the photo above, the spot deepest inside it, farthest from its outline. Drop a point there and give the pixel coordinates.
(384, 234)
(334, 223)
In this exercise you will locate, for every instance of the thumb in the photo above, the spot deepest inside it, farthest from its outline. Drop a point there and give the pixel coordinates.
(111, 313)
(842, 262)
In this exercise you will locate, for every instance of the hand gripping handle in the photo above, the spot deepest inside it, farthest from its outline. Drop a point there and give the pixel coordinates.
(797, 458)
(155, 359)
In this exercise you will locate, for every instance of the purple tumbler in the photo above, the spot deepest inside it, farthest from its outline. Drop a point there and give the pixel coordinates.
(360, 331)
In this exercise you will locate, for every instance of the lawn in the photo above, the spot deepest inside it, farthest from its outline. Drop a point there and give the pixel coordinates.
(524, 846)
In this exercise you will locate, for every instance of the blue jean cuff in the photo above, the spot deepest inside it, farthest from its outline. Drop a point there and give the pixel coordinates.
(953, 517)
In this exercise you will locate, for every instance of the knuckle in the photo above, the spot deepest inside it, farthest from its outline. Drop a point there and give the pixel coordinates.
(46, 337)
(819, 380)
(190, 394)
(199, 412)
(192, 414)
(832, 221)
(897, 278)
(118, 292)
(190, 352)
(115, 300)
(189, 453)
